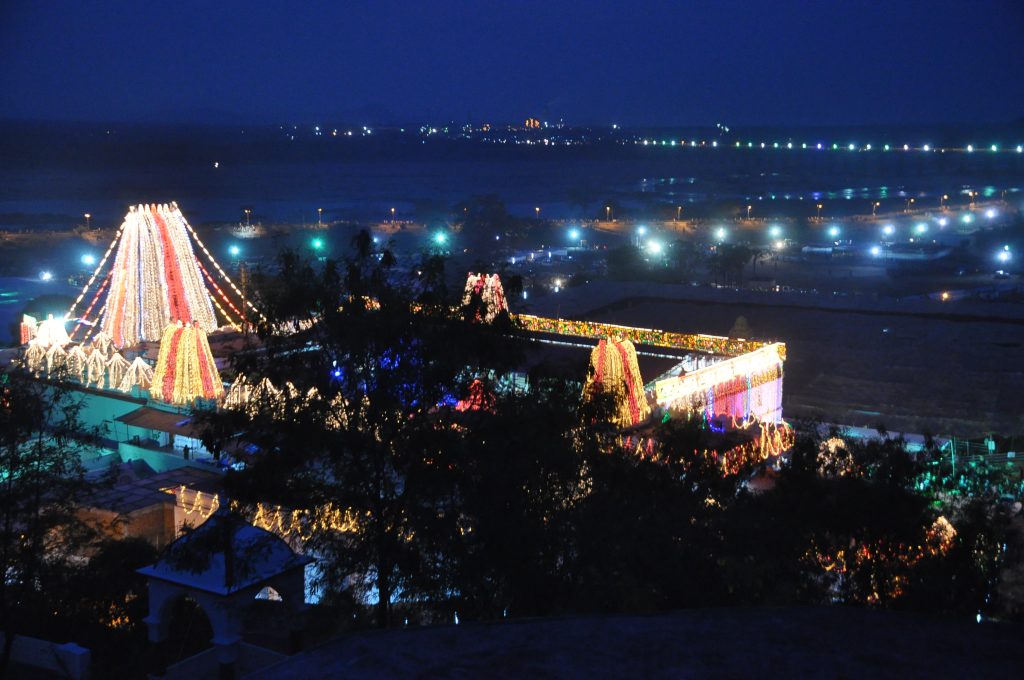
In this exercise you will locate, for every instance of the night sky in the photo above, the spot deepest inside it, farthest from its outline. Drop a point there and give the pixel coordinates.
(797, 62)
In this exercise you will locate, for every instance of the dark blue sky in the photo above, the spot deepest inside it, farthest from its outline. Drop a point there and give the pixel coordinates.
(637, 63)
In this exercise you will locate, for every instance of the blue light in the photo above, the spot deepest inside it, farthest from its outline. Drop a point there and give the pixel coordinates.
(876, 251)
(235, 251)
(88, 259)
(833, 231)
(574, 234)
(440, 238)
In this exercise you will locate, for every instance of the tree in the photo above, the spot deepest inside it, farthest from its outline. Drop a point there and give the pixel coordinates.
(384, 354)
(41, 480)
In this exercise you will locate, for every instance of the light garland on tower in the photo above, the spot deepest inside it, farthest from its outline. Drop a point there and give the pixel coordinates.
(614, 370)
(486, 287)
(138, 374)
(185, 369)
(155, 278)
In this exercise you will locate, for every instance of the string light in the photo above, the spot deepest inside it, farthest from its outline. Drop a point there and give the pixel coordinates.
(185, 369)
(614, 370)
(710, 344)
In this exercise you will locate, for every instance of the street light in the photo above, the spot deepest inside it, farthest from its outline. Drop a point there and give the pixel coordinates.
(888, 230)
(392, 215)
(775, 231)
(720, 233)
(920, 228)
(749, 208)
(679, 212)
(942, 200)
(247, 211)
(234, 250)
(833, 231)
(319, 217)
(87, 218)
(654, 247)
(819, 206)
(607, 213)
(910, 202)
(440, 238)
(874, 206)
(88, 259)
(317, 244)
(536, 212)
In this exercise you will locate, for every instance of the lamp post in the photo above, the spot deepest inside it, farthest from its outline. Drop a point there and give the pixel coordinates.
(392, 216)
(319, 217)
(749, 208)
(819, 207)
(942, 201)
(679, 212)
(536, 212)
(874, 207)
(87, 218)
(247, 212)
(607, 213)
(910, 202)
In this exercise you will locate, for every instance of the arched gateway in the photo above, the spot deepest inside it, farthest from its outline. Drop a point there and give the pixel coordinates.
(223, 565)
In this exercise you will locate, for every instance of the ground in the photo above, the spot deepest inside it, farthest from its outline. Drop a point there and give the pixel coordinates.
(832, 642)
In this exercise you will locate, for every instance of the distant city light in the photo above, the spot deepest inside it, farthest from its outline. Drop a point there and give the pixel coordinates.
(45, 276)
(720, 233)
(833, 231)
(317, 243)
(88, 259)
(926, 147)
(641, 230)
(943, 221)
(574, 234)
(819, 146)
(775, 232)
(440, 238)
(654, 247)
(876, 251)
(779, 245)
(990, 213)
(967, 219)
(906, 147)
(235, 251)
(888, 230)
(868, 147)
(1020, 148)
(1004, 256)
(994, 147)
(850, 147)
(886, 147)
(970, 148)
(920, 228)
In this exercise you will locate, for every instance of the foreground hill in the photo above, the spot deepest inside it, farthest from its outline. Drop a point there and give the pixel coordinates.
(830, 642)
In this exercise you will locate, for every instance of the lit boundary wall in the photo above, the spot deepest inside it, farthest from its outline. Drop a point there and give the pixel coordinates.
(709, 344)
(746, 386)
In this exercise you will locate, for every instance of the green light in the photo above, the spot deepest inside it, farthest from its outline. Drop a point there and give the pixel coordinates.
(440, 238)
(317, 244)
(835, 146)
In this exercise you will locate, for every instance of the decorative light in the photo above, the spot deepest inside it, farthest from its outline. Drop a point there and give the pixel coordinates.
(185, 369)
(614, 370)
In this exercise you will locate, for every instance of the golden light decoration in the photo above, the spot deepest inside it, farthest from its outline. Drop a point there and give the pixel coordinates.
(76, 363)
(492, 296)
(138, 374)
(710, 344)
(96, 368)
(614, 370)
(117, 367)
(35, 358)
(185, 370)
(56, 358)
